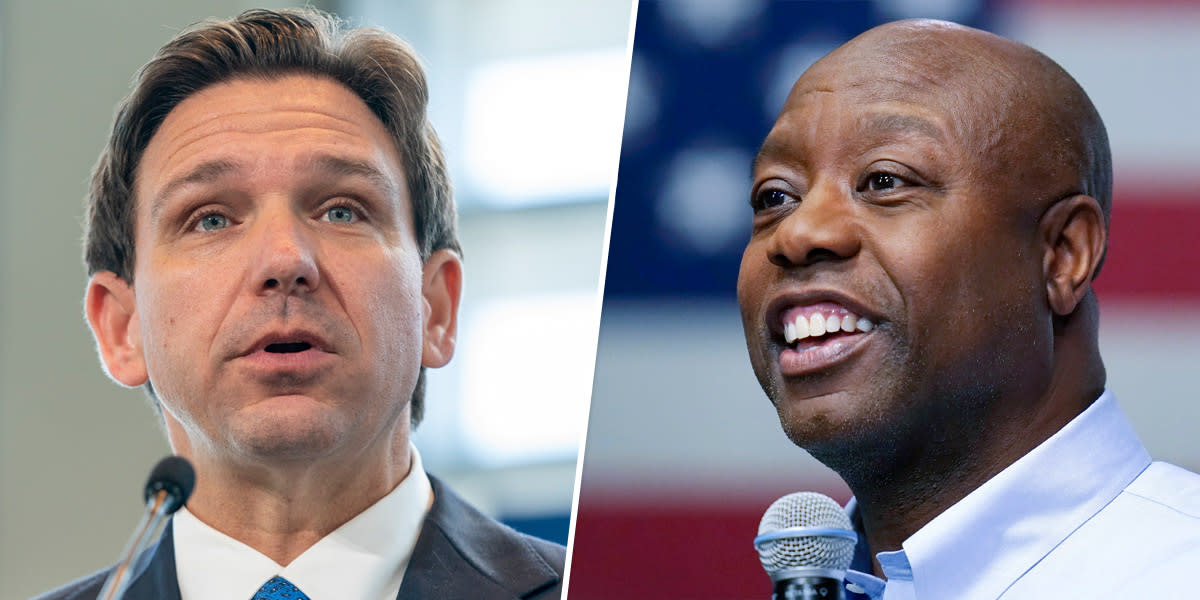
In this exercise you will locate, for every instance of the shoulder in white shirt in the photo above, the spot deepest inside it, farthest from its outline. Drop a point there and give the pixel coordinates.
(1086, 514)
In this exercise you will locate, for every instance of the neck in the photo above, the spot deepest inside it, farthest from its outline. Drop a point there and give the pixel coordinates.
(282, 509)
(900, 488)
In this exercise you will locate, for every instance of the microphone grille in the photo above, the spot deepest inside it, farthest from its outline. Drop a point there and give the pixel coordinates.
(805, 509)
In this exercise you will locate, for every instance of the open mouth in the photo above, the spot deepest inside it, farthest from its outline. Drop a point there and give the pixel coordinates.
(287, 347)
(818, 336)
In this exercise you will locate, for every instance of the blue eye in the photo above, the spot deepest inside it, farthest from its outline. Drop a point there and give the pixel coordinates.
(340, 214)
(213, 222)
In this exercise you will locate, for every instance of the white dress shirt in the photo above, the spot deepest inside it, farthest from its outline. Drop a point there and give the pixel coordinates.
(1086, 514)
(364, 559)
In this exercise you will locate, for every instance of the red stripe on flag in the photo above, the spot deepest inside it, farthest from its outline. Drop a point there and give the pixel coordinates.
(691, 546)
(666, 552)
(1153, 247)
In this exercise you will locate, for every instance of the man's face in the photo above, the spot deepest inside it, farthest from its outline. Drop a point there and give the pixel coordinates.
(873, 204)
(278, 286)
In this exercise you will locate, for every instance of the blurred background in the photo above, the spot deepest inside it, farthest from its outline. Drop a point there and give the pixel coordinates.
(684, 452)
(527, 97)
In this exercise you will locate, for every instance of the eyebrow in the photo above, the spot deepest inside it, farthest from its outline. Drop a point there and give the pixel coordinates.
(205, 172)
(880, 124)
(337, 166)
(766, 148)
(329, 166)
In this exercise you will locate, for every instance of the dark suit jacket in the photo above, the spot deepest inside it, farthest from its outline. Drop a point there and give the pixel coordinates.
(460, 553)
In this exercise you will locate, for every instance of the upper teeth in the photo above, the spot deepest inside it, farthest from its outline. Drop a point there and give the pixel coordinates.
(817, 325)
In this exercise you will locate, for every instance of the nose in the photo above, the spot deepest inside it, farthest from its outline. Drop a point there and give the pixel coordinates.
(822, 228)
(287, 261)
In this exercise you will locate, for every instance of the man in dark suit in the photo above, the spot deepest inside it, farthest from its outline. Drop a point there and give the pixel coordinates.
(272, 250)
(461, 553)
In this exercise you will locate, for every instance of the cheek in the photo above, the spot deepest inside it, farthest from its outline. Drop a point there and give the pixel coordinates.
(167, 312)
(939, 258)
(180, 313)
(750, 278)
(966, 288)
(751, 294)
(744, 296)
(396, 308)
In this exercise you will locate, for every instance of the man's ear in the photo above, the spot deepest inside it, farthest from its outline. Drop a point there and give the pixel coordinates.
(1075, 238)
(442, 288)
(112, 314)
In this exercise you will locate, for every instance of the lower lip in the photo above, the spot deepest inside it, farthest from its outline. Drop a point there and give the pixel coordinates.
(827, 354)
(295, 362)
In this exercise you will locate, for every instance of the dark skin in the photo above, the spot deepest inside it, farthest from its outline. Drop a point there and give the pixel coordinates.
(942, 182)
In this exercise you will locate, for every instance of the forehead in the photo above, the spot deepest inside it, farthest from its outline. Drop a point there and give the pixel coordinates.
(948, 86)
(857, 119)
(248, 120)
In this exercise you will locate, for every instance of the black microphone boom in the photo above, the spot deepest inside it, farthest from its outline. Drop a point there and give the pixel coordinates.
(167, 490)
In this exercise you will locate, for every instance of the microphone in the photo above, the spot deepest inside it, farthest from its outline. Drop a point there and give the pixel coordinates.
(805, 543)
(167, 490)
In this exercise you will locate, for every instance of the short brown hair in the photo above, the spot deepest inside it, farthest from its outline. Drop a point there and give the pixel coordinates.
(377, 66)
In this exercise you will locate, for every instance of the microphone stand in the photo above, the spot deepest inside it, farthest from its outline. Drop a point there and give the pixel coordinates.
(118, 579)
(170, 484)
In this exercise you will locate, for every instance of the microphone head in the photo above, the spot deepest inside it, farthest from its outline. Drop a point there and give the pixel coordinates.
(805, 530)
(175, 475)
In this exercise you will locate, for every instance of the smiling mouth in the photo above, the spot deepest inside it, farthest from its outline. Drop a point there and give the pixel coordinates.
(819, 336)
(287, 347)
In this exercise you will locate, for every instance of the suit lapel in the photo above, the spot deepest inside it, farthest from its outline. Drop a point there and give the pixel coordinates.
(461, 553)
(438, 570)
(154, 577)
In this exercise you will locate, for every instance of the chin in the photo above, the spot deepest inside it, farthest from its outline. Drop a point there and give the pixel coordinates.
(815, 420)
(288, 437)
(307, 446)
(844, 430)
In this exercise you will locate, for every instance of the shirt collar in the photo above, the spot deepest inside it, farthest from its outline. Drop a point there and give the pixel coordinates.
(982, 544)
(364, 558)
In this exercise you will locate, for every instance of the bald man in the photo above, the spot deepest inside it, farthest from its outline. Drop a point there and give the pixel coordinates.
(930, 210)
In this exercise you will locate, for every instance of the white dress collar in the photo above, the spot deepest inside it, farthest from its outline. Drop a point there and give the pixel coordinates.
(983, 543)
(364, 558)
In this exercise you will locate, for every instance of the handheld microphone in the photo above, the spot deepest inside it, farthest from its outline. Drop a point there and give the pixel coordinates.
(167, 490)
(805, 543)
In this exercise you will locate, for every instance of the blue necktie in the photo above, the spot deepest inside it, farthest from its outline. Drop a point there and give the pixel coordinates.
(279, 588)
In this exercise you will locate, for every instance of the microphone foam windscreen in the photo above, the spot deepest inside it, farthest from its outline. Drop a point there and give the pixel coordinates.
(805, 509)
(175, 475)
